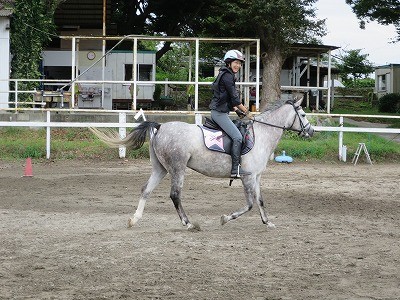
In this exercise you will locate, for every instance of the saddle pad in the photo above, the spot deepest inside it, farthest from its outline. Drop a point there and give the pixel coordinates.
(217, 140)
(213, 139)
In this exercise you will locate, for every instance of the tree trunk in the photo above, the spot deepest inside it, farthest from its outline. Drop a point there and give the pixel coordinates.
(272, 61)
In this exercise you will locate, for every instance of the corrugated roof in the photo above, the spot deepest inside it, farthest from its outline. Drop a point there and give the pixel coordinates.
(300, 49)
(5, 12)
(82, 13)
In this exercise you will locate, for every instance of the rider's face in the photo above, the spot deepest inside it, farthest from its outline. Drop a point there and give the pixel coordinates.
(236, 65)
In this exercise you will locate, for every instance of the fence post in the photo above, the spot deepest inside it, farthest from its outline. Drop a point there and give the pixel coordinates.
(198, 119)
(122, 134)
(16, 95)
(340, 138)
(48, 137)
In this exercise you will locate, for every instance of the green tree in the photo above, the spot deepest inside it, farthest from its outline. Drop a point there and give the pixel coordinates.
(160, 17)
(32, 27)
(354, 65)
(6, 4)
(174, 63)
(277, 23)
(385, 12)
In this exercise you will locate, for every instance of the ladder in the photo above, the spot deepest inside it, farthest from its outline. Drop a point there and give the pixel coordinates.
(361, 147)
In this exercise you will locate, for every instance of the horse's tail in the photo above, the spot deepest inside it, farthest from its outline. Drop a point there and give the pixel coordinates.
(134, 140)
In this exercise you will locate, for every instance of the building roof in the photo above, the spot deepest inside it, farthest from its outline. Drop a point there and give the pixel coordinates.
(310, 49)
(5, 12)
(388, 66)
(81, 14)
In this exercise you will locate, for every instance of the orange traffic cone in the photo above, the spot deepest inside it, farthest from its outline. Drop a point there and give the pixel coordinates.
(28, 168)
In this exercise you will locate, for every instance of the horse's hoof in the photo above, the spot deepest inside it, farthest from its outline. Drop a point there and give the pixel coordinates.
(130, 223)
(193, 227)
(224, 219)
(271, 225)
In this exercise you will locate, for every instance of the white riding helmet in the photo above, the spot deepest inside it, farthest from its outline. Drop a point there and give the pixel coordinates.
(232, 55)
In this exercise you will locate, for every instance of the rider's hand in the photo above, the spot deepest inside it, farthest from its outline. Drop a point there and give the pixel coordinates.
(249, 115)
(240, 113)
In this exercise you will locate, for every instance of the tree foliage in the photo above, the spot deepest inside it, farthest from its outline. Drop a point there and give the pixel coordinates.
(160, 17)
(385, 12)
(354, 65)
(389, 103)
(6, 4)
(277, 23)
(31, 28)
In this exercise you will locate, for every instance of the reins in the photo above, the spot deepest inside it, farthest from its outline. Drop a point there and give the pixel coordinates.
(277, 126)
(284, 127)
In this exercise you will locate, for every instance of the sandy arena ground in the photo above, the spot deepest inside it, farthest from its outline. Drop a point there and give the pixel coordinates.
(64, 234)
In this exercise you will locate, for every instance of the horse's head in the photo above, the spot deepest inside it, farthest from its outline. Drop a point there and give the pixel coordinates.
(300, 122)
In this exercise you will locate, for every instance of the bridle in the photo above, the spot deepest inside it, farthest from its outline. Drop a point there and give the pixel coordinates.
(296, 109)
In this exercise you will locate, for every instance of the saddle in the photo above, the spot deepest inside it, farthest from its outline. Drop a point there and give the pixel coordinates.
(216, 139)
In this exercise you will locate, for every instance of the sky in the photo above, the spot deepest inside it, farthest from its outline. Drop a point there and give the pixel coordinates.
(344, 31)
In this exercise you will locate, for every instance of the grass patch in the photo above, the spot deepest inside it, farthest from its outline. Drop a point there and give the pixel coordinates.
(324, 146)
(66, 143)
(76, 143)
(349, 106)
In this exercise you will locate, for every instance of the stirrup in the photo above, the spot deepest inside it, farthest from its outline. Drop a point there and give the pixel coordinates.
(239, 172)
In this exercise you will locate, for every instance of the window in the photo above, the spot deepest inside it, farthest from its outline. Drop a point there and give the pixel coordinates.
(128, 72)
(382, 82)
(144, 72)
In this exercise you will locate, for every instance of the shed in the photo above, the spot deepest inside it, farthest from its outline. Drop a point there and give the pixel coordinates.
(304, 69)
(57, 65)
(5, 57)
(387, 79)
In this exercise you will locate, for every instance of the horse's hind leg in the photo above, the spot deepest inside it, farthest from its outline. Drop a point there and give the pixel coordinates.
(157, 174)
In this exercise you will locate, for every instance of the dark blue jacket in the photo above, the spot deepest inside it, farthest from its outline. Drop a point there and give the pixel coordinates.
(225, 95)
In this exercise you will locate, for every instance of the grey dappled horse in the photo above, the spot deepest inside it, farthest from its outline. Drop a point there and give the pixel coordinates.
(177, 145)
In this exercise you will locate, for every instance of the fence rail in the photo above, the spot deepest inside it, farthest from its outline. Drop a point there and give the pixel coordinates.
(122, 124)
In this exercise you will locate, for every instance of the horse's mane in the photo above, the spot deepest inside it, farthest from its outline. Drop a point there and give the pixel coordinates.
(273, 106)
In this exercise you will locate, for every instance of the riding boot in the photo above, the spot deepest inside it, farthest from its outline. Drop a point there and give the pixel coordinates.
(237, 171)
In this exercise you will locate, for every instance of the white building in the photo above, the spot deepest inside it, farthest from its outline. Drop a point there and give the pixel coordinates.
(57, 64)
(387, 79)
(5, 56)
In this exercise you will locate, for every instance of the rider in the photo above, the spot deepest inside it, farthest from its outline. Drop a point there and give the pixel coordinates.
(226, 98)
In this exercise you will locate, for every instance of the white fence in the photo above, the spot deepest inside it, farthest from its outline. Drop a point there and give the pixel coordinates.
(122, 125)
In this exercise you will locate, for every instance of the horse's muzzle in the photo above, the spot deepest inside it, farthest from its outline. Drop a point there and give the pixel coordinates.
(307, 132)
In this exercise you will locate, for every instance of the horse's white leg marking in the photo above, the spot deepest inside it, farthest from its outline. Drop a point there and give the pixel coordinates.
(138, 214)
(151, 184)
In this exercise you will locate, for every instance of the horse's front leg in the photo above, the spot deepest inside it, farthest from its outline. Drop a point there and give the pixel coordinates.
(250, 194)
(263, 213)
(260, 202)
(176, 191)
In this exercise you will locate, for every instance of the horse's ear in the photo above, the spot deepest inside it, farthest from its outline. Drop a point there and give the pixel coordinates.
(298, 98)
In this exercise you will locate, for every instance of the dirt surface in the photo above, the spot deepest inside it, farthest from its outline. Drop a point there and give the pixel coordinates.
(64, 234)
